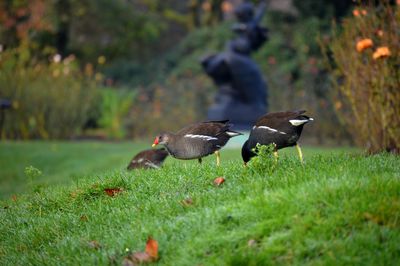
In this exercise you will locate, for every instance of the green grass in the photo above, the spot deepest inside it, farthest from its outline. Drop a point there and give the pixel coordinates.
(340, 208)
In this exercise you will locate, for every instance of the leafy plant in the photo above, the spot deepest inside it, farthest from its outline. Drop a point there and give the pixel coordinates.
(32, 172)
(115, 105)
(264, 162)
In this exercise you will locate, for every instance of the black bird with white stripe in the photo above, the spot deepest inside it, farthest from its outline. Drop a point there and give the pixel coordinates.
(148, 159)
(281, 128)
(198, 140)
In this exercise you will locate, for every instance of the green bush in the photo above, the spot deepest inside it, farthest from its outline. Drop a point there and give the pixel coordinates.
(365, 52)
(114, 107)
(50, 100)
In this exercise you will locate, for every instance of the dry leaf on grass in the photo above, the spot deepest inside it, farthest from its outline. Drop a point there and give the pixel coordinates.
(219, 180)
(187, 202)
(149, 255)
(94, 244)
(251, 243)
(113, 191)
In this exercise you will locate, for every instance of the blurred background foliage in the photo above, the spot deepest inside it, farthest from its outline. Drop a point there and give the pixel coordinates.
(130, 68)
(365, 70)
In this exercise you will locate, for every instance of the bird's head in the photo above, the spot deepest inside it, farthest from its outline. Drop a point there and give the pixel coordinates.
(161, 139)
(247, 153)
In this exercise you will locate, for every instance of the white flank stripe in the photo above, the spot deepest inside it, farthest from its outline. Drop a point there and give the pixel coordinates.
(272, 129)
(208, 138)
(150, 164)
(297, 122)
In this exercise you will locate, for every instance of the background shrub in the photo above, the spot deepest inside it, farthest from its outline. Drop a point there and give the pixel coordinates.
(367, 82)
(50, 100)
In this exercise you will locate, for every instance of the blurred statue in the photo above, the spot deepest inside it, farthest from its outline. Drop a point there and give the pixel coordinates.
(242, 93)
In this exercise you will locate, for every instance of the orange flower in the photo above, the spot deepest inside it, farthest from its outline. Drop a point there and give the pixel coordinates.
(364, 44)
(227, 7)
(356, 13)
(364, 12)
(206, 6)
(379, 33)
(381, 52)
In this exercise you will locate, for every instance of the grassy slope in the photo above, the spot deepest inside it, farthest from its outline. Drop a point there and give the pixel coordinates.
(60, 162)
(340, 208)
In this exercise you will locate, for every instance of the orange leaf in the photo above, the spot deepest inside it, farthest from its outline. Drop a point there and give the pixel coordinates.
(152, 247)
(219, 180)
(113, 191)
(149, 255)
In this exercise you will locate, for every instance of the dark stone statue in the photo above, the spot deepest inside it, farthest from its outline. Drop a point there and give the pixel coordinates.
(242, 93)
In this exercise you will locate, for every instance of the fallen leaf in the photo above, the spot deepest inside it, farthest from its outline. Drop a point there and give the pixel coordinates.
(75, 193)
(152, 247)
(113, 191)
(251, 242)
(219, 180)
(128, 262)
(94, 244)
(149, 255)
(187, 202)
(83, 218)
(14, 198)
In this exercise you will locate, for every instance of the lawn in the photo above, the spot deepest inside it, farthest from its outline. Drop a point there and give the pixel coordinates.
(341, 207)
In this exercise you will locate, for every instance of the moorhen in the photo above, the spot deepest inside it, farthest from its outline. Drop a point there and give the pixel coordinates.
(148, 159)
(198, 140)
(283, 129)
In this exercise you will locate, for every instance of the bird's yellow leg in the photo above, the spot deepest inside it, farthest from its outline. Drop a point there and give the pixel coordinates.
(299, 152)
(276, 156)
(218, 157)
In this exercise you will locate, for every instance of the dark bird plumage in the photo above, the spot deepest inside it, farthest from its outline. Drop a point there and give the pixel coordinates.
(153, 158)
(281, 128)
(198, 140)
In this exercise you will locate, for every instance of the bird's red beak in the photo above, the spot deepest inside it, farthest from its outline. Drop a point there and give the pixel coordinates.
(155, 143)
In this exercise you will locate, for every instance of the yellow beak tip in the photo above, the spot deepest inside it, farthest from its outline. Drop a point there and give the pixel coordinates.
(153, 145)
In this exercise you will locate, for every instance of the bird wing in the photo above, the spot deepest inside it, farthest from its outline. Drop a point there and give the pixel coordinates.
(278, 119)
(209, 128)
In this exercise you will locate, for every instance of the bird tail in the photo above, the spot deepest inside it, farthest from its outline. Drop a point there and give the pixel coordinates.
(232, 133)
(301, 120)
